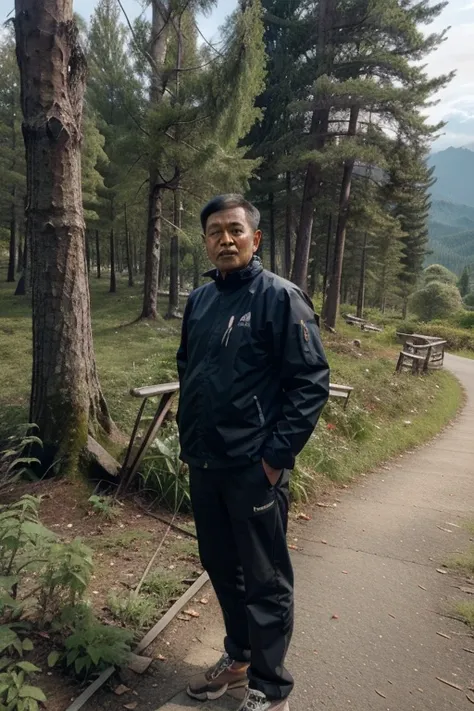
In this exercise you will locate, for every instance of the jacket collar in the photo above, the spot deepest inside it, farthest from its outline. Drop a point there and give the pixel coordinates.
(235, 279)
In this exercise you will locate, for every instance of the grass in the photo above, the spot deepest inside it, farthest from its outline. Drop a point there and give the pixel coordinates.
(462, 562)
(186, 549)
(465, 610)
(372, 429)
(118, 541)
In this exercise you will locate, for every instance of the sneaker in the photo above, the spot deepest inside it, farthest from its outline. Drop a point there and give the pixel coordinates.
(217, 680)
(256, 701)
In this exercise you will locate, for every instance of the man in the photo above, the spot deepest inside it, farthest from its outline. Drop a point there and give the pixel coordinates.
(254, 379)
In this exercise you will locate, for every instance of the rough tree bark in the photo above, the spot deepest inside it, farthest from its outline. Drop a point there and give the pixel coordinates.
(299, 275)
(113, 278)
(363, 269)
(66, 399)
(173, 293)
(158, 47)
(128, 250)
(12, 250)
(331, 304)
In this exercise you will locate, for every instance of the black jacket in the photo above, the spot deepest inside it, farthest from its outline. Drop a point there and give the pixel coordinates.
(253, 373)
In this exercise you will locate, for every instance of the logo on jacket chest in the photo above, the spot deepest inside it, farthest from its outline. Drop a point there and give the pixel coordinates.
(245, 320)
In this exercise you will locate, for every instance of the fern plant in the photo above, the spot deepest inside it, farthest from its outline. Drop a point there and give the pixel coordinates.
(103, 505)
(15, 459)
(166, 475)
(16, 691)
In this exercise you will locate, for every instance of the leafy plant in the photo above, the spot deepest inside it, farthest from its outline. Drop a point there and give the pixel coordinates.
(66, 575)
(15, 460)
(166, 475)
(103, 505)
(92, 646)
(163, 585)
(16, 691)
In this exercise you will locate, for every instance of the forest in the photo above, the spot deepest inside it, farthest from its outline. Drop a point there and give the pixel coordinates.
(315, 109)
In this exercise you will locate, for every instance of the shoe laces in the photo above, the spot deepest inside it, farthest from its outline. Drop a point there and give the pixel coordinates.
(254, 701)
(225, 662)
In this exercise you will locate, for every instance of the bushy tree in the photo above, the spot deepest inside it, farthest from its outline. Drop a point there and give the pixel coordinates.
(436, 300)
(436, 272)
(463, 284)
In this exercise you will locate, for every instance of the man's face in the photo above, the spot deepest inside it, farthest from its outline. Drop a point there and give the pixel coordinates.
(230, 240)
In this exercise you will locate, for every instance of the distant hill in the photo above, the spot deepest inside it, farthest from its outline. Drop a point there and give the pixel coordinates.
(451, 225)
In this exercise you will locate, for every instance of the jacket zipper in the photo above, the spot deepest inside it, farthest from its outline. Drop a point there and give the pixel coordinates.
(260, 411)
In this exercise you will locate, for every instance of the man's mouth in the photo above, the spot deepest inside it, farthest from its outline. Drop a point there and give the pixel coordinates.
(227, 254)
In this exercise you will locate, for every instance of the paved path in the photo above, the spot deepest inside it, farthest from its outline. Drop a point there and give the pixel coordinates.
(378, 574)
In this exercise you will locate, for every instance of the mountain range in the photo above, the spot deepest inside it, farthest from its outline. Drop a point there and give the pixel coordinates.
(451, 222)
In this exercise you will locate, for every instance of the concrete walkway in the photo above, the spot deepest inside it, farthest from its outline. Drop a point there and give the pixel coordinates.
(377, 574)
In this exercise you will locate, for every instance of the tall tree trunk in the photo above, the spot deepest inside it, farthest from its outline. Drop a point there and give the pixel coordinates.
(159, 43)
(97, 252)
(152, 253)
(173, 296)
(299, 275)
(66, 399)
(361, 290)
(327, 257)
(12, 250)
(288, 226)
(19, 263)
(271, 205)
(331, 305)
(113, 278)
(128, 250)
(88, 251)
(21, 286)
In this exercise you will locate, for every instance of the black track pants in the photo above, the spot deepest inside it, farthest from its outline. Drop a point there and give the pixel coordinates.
(241, 525)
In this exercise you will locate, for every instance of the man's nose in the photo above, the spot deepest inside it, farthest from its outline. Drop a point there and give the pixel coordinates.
(226, 239)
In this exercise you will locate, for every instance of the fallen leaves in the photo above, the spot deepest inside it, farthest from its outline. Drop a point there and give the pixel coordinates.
(131, 706)
(204, 601)
(442, 571)
(121, 689)
(380, 693)
(441, 634)
(192, 613)
(303, 516)
(335, 616)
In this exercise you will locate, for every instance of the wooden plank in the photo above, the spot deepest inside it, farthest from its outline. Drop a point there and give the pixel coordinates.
(153, 390)
(90, 691)
(172, 612)
(412, 355)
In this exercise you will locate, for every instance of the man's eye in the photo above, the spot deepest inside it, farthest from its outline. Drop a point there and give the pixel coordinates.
(237, 231)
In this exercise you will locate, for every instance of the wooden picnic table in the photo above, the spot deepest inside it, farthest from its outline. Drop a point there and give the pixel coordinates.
(420, 353)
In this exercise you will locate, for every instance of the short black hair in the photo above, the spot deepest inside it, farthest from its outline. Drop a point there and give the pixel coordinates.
(228, 202)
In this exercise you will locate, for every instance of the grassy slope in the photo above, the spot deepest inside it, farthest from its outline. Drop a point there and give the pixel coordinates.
(346, 443)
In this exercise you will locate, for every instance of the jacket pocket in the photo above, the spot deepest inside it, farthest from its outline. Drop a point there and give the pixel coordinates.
(259, 410)
(307, 338)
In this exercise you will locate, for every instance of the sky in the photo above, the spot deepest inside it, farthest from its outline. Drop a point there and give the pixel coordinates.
(455, 103)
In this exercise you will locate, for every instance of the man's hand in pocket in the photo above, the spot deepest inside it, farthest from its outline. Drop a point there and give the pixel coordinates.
(272, 474)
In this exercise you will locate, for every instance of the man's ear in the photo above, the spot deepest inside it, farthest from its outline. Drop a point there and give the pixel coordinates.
(203, 238)
(257, 238)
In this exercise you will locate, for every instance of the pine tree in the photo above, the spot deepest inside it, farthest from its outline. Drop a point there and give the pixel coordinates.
(12, 155)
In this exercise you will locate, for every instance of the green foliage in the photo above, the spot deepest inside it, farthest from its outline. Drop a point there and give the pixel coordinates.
(165, 475)
(136, 612)
(104, 506)
(65, 576)
(16, 691)
(436, 272)
(164, 585)
(463, 283)
(436, 300)
(91, 647)
(15, 459)
(465, 610)
(469, 299)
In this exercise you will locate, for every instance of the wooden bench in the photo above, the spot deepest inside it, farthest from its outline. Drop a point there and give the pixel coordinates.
(371, 327)
(353, 320)
(420, 353)
(137, 449)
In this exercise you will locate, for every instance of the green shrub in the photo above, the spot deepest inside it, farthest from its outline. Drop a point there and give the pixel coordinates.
(15, 462)
(436, 272)
(466, 319)
(165, 475)
(436, 300)
(164, 585)
(16, 691)
(104, 506)
(137, 612)
(469, 299)
(91, 647)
